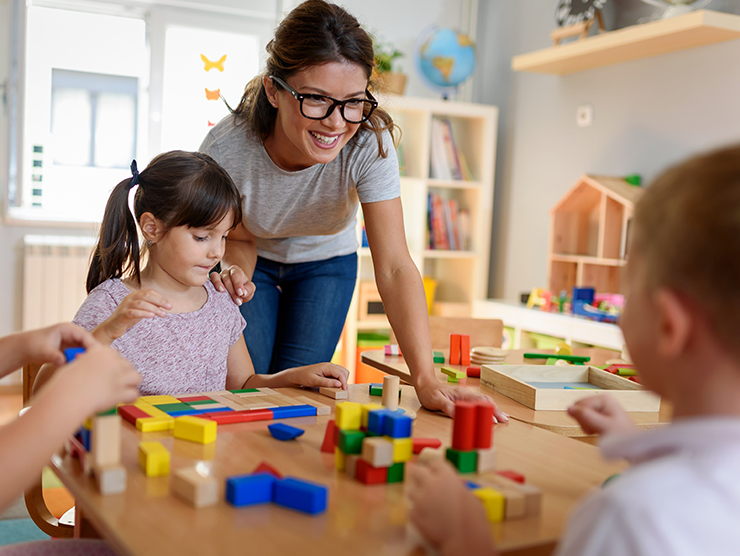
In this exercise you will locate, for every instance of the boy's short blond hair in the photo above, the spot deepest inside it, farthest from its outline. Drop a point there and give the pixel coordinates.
(687, 232)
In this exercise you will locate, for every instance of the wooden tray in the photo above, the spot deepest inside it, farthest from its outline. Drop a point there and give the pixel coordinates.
(527, 384)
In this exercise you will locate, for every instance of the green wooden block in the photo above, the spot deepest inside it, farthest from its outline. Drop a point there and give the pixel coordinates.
(350, 442)
(452, 372)
(111, 411)
(395, 472)
(570, 358)
(167, 407)
(551, 361)
(243, 390)
(627, 372)
(376, 391)
(466, 462)
(438, 357)
(202, 402)
(452, 380)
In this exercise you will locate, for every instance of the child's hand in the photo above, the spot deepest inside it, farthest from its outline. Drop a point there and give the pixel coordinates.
(97, 379)
(321, 374)
(445, 512)
(46, 345)
(601, 414)
(142, 304)
(235, 282)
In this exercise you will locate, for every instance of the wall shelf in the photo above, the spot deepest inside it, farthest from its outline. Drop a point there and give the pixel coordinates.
(690, 30)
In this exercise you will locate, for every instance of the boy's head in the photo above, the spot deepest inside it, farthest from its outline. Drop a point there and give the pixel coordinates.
(685, 256)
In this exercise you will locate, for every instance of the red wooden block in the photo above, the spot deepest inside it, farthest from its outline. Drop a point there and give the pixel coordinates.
(483, 425)
(187, 399)
(454, 349)
(265, 467)
(464, 349)
(328, 445)
(131, 413)
(229, 417)
(463, 427)
(513, 475)
(335, 432)
(421, 443)
(370, 475)
(473, 372)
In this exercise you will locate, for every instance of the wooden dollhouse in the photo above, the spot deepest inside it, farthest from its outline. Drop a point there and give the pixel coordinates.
(589, 233)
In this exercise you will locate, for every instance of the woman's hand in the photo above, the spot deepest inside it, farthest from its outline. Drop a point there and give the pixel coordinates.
(601, 414)
(435, 396)
(235, 282)
(142, 304)
(327, 375)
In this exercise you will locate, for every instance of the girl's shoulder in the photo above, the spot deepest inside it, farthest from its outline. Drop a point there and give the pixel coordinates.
(113, 287)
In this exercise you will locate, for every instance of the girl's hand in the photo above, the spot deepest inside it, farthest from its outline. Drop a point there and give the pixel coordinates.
(445, 512)
(142, 304)
(601, 414)
(435, 396)
(235, 282)
(46, 345)
(321, 374)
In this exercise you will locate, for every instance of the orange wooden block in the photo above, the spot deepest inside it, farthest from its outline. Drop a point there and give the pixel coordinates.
(464, 349)
(455, 349)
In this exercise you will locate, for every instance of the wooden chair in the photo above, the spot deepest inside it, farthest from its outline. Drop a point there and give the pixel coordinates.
(482, 332)
(34, 496)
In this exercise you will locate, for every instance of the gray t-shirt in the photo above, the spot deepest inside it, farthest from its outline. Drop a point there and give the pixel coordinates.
(310, 214)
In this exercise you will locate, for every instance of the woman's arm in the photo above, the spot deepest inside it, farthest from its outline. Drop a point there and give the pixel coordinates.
(402, 292)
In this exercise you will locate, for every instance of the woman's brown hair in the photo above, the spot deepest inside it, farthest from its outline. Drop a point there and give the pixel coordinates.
(180, 189)
(314, 33)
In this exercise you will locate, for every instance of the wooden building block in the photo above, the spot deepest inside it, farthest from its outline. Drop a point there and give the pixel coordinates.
(516, 504)
(200, 490)
(321, 409)
(454, 349)
(340, 459)
(421, 443)
(483, 425)
(463, 426)
(195, 429)
(155, 400)
(429, 454)
(513, 475)
(493, 501)
(453, 373)
(397, 425)
(464, 461)
(155, 424)
(350, 441)
(464, 349)
(303, 496)
(366, 409)
(223, 400)
(391, 384)
(396, 473)
(131, 413)
(532, 494)
(348, 416)
(106, 440)
(369, 475)
(350, 465)
(265, 467)
(248, 490)
(377, 451)
(486, 460)
(327, 446)
(110, 479)
(403, 449)
(473, 372)
(333, 393)
(284, 432)
(154, 459)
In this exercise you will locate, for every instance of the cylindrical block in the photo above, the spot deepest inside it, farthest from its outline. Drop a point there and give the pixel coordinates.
(463, 428)
(390, 392)
(483, 425)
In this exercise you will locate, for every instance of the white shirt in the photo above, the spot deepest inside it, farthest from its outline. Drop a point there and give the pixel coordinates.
(682, 496)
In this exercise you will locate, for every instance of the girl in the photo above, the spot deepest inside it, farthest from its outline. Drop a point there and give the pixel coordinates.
(306, 145)
(167, 318)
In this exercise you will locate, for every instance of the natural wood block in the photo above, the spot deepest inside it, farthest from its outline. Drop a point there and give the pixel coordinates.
(333, 393)
(486, 459)
(350, 465)
(321, 409)
(428, 455)
(110, 479)
(377, 451)
(198, 489)
(532, 494)
(106, 440)
(391, 384)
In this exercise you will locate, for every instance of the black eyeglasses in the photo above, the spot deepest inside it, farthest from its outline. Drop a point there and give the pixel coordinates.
(318, 107)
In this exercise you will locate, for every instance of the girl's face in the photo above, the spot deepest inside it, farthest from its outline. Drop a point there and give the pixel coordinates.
(187, 254)
(298, 142)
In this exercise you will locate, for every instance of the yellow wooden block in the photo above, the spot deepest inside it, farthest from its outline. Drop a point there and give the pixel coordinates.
(493, 501)
(195, 429)
(367, 408)
(155, 424)
(154, 459)
(88, 424)
(403, 448)
(340, 459)
(348, 416)
(150, 410)
(158, 400)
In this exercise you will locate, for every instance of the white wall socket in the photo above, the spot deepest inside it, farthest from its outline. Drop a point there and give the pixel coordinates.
(585, 115)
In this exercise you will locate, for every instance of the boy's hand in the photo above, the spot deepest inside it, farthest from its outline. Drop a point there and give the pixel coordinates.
(435, 396)
(235, 282)
(601, 414)
(97, 379)
(46, 345)
(142, 304)
(445, 512)
(327, 375)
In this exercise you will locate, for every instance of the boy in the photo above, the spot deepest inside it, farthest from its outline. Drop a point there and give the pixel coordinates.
(682, 327)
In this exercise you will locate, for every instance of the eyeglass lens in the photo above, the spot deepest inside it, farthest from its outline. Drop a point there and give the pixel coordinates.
(319, 107)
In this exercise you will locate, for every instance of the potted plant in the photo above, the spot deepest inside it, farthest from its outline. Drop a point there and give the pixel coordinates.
(388, 78)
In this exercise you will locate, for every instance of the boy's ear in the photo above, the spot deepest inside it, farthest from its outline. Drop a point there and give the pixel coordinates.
(674, 324)
(151, 227)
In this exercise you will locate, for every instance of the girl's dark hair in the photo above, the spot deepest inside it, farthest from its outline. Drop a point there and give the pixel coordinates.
(314, 33)
(180, 189)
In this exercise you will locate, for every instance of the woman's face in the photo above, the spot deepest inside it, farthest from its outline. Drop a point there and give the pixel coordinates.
(298, 142)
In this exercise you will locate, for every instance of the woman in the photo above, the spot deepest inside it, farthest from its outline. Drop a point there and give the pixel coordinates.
(306, 143)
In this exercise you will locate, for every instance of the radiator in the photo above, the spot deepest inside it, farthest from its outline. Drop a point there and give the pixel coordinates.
(54, 273)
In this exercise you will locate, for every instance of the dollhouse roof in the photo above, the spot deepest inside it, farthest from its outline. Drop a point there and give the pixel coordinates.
(587, 186)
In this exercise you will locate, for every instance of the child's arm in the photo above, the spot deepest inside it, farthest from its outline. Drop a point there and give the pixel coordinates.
(601, 414)
(446, 513)
(142, 304)
(241, 373)
(95, 381)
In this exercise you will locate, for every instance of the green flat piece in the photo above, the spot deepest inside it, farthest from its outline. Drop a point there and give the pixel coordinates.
(396, 472)
(374, 391)
(452, 380)
(465, 462)
(167, 407)
(202, 402)
(111, 411)
(571, 358)
(243, 390)
(551, 361)
(627, 372)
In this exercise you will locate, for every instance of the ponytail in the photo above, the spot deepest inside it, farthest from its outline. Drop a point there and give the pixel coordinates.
(117, 251)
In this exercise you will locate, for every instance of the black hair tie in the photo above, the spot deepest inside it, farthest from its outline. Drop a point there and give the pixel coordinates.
(134, 174)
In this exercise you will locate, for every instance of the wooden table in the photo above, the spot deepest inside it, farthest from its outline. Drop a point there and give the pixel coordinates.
(555, 421)
(148, 520)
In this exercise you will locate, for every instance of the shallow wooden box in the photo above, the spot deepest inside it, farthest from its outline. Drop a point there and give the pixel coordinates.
(516, 382)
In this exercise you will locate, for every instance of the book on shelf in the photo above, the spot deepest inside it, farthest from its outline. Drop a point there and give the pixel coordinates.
(448, 225)
(447, 161)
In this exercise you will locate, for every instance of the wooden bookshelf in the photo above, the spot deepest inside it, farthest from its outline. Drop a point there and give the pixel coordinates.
(636, 42)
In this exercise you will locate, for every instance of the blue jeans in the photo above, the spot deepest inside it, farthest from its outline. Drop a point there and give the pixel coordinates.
(298, 311)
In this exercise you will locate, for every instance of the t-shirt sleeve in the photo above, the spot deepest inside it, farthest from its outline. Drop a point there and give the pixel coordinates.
(209, 146)
(377, 178)
(97, 307)
(238, 324)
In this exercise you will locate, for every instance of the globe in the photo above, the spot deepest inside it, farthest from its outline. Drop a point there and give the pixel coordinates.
(444, 58)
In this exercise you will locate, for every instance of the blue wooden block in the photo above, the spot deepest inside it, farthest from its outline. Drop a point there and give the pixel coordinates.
(83, 435)
(376, 421)
(471, 485)
(185, 412)
(281, 431)
(251, 489)
(71, 353)
(217, 410)
(397, 425)
(375, 385)
(288, 411)
(301, 495)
